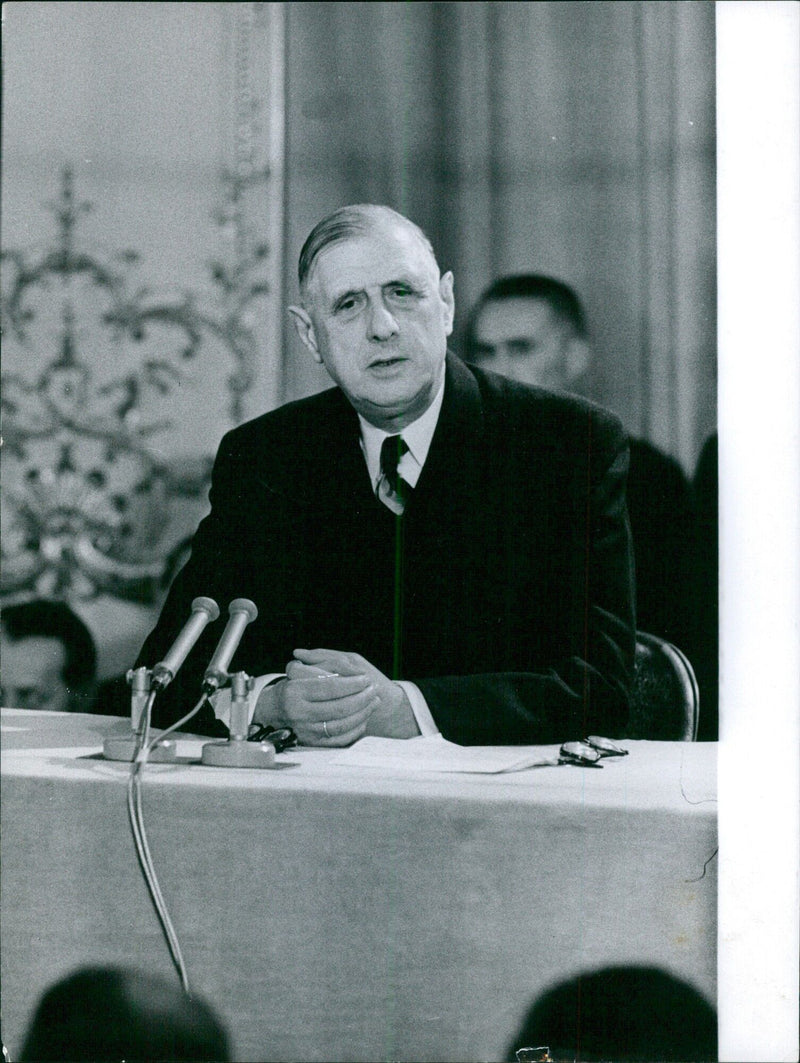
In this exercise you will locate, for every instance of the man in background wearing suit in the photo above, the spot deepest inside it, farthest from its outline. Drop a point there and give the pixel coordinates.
(431, 548)
(533, 329)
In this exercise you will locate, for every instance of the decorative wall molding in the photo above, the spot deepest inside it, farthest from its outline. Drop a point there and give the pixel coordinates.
(90, 506)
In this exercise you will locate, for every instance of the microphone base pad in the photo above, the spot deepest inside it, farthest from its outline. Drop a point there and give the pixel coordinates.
(239, 754)
(123, 747)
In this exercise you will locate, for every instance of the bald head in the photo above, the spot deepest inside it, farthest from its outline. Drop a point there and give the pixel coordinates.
(349, 223)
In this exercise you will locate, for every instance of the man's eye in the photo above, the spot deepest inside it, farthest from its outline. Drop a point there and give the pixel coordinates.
(482, 350)
(521, 347)
(23, 698)
(349, 306)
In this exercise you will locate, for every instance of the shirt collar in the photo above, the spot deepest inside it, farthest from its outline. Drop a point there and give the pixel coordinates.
(418, 437)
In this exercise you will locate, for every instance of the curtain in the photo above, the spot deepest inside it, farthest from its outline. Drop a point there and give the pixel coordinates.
(575, 139)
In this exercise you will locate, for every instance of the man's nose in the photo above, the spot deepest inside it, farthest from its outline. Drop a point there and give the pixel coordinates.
(381, 324)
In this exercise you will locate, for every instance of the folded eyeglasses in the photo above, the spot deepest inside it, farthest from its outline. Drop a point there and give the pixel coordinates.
(281, 737)
(589, 752)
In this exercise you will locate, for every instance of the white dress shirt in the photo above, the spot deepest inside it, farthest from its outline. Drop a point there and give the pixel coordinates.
(418, 437)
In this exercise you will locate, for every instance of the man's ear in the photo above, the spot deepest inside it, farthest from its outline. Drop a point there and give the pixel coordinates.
(305, 330)
(578, 357)
(446, 293)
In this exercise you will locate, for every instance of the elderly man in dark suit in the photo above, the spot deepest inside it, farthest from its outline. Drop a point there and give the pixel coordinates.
(432, 548)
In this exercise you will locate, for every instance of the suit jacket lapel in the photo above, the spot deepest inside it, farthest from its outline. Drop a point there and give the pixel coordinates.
(451, 481)
(328, 471)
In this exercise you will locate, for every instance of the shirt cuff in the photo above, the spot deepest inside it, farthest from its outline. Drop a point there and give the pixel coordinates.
(419, 706)
(221, 701)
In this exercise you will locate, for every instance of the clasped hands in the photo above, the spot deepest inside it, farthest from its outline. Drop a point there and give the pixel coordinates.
(331, 698)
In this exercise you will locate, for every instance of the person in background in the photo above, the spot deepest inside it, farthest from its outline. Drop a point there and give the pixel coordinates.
(109, 1013)
(530, 328)
(48, 658)
(533, 329)
(432, 549)
(625, 1014)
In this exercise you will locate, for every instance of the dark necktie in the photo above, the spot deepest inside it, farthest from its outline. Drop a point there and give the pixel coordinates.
(392, 450)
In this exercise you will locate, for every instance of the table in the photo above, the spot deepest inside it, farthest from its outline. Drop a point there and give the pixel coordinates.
(345, 913)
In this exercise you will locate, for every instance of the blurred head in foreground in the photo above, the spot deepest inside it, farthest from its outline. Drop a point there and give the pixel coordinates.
(530, 328)
(107, 1013)
(48, 658)
(620, 1014)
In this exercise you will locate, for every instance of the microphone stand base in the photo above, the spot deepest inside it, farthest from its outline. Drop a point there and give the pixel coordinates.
(239, 754)
(124, 748)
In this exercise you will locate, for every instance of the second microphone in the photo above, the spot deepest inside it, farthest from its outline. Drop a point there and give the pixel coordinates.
(241, 613)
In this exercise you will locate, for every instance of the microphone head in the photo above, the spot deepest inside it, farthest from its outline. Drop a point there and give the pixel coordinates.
(243, 605)
(206, 605)
(203, 611)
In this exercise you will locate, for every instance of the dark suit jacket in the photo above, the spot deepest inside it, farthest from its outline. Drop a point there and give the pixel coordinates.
(704, 653)
(505, 591)
(663, 526)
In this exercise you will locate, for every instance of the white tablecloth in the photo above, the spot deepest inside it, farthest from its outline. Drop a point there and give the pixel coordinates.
(334, 912)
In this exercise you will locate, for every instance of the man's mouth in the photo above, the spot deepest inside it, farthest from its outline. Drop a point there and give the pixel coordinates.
(387, 362)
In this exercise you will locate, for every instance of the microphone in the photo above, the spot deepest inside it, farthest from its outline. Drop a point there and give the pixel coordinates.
(242, 612)
(142, 682)
(204, 610)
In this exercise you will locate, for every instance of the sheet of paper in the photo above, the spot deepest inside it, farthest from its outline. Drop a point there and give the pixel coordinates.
(437, 754)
